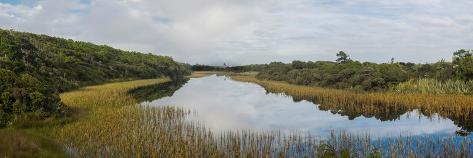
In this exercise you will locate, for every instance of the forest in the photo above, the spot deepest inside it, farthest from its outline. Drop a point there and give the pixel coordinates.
(34, 69)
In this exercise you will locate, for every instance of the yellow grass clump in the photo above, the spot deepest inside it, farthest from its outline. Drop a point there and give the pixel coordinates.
(198, 74)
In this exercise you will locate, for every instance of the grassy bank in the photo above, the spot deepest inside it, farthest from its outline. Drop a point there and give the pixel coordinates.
(105, 104)
(30, 138)
(37, 138)
(198, 74)
(456, 107)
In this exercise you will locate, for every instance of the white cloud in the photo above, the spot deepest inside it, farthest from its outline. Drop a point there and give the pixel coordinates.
(244, 31)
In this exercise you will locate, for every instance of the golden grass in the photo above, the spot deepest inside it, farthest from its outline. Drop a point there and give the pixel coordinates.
(107, 95)
(198, 74)
(101, 102)
(456, 107)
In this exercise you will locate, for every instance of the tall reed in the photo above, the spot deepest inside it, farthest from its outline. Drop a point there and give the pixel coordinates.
(435, 87)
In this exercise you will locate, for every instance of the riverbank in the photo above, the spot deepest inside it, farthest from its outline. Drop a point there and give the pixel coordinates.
(43, 138)
(456, 107)
(39, 138)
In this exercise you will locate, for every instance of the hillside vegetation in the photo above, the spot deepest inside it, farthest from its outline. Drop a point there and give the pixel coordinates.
(35, 68)
(346, 73)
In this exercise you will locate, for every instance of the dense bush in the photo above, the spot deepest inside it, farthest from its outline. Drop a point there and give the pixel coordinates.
(198, 67)
(245, 68)
(346, 73)
(463, 64)
(25, 94)
(35, 68)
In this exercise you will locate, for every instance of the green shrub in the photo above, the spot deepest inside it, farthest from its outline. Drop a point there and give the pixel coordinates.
(351, 74)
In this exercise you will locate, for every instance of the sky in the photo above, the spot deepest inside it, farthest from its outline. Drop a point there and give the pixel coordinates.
(240, 32)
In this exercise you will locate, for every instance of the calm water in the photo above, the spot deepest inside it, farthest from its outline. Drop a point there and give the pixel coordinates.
(224, 104)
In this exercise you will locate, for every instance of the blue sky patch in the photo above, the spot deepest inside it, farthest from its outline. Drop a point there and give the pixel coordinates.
(11, 1)
(22, 2)
(162, 19)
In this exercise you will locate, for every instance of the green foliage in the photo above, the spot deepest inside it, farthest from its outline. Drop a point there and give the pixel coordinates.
(342, 57)
(198, 67)
(247, 68)
(463, 64)
(35, 68)
(327, 151)
(350, 74)
(21, 94)
(461, 54)
(375, 154)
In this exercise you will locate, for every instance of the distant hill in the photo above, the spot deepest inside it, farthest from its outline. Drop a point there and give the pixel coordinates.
(35, 68)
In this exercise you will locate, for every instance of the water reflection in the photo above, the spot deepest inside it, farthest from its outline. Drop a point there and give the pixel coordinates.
(153, 92)
(224, 104)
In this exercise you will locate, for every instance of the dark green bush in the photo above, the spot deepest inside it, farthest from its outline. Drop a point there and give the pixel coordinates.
(350, 74)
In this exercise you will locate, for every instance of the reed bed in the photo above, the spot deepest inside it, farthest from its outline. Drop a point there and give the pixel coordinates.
(198, 74)
(435, 87)
(117, 126)
(456, 107)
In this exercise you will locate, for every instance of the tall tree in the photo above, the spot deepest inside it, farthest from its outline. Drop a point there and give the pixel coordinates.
(342, 57)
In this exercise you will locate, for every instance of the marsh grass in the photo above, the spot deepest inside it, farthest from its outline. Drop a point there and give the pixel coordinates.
(198, 74)
(458, 108)
(434, 86)
(115, 125)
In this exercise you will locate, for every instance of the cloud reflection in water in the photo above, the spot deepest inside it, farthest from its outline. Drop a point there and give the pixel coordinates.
(223, 104)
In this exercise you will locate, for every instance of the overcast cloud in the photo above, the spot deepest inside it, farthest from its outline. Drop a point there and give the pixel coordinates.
(255, 31)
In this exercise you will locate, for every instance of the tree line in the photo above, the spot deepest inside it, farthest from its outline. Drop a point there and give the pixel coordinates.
(346, 73)
(452, 77)
(35, 68)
